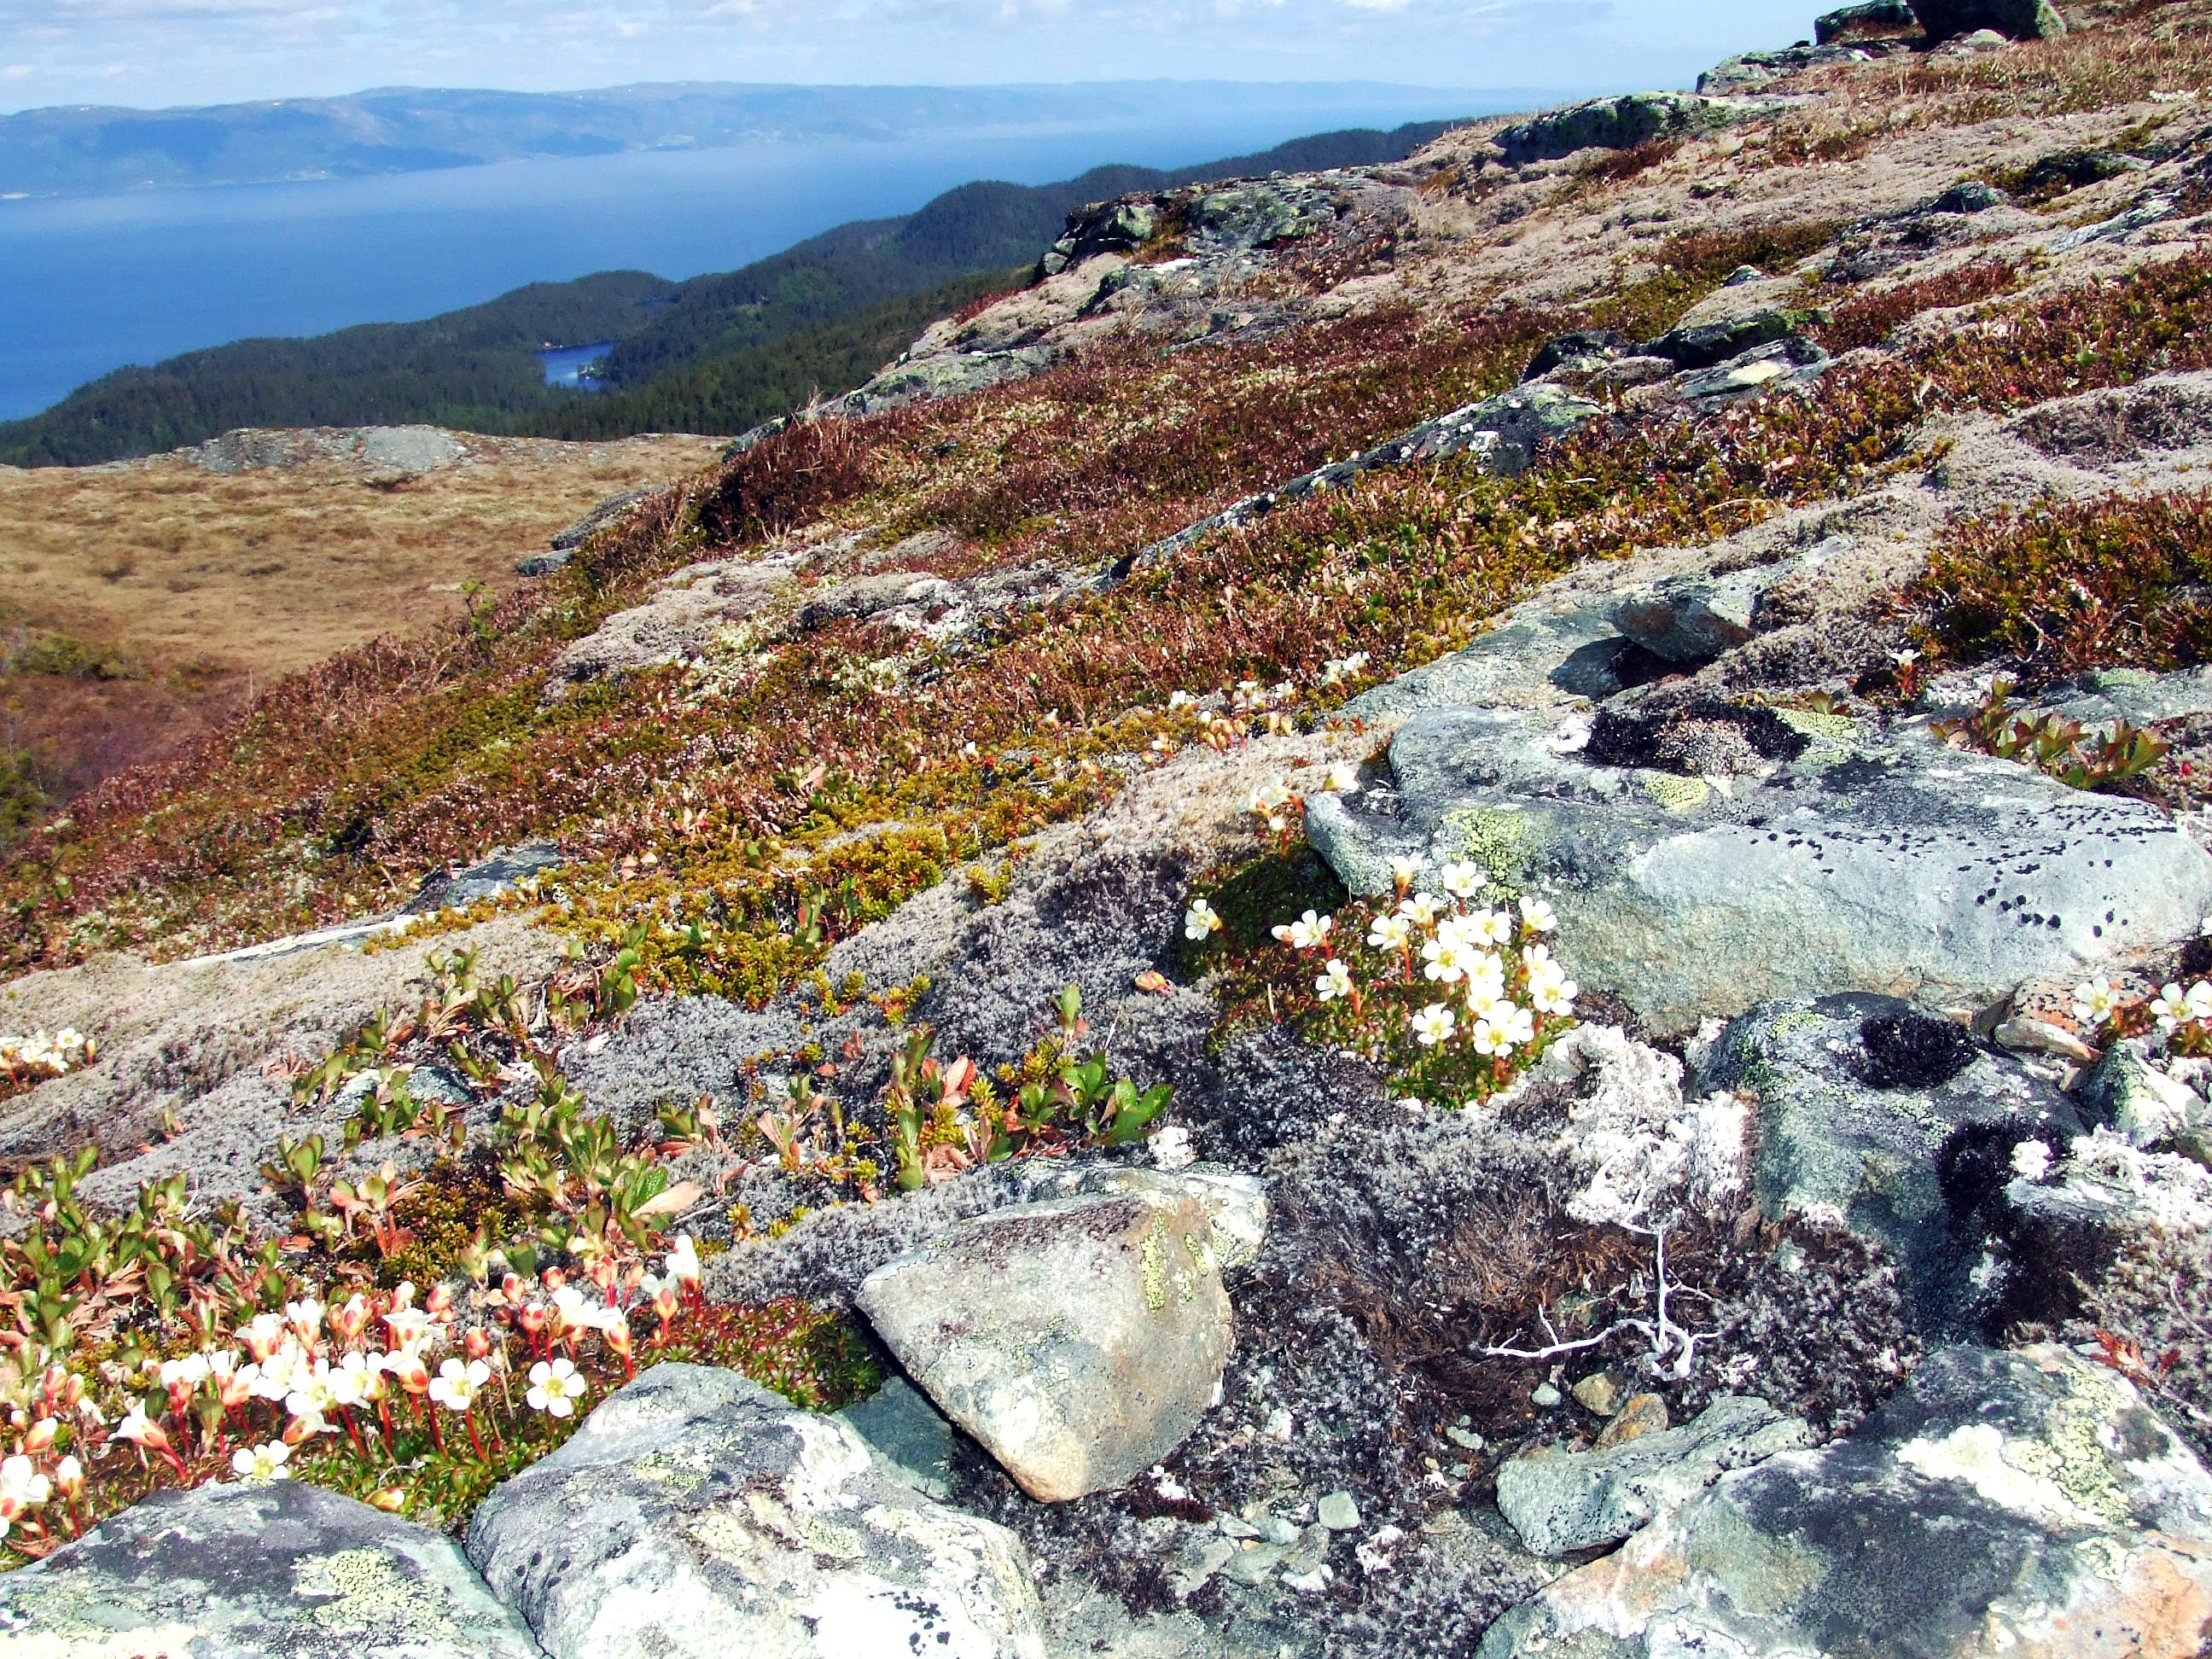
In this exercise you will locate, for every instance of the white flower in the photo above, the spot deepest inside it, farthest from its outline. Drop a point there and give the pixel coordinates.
(1420, 909)
(1433, 1025)
(2176, 1007)
(1905, 658)
(2031, 1160)
(1343, 779)
(1550, 989)
(2096, 1000)
(264, 1462)
(1389, 933)
(1537, 917)
(1502, 1028)
(355, 1378)
(682, 1263)
(307, 1318)
(1335, 980)
(1180, 700)
(1485, 980)
(555, 1389)
(1200, 919)
(1491, 928)
(1463, 880)
(1307, 931)
(458, 1383)
(1445, 958)
(22, 1487)
(188, 1372)
(1404, 870)
(1269, 797)
(137, 1427)
(1172, 1148)
(311, 1391)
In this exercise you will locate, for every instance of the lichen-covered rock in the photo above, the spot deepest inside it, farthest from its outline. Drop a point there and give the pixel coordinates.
(1235, 1204)
(696, 1514)
(2134, 1097)
(1705, 858)
(1079, 1340)
(1868, 17)
(1693, 619)
(1560, 1501)
(279, 1569)
(2019, 19)
(1619, 123)
(2024, 1503)
(1862, 1103)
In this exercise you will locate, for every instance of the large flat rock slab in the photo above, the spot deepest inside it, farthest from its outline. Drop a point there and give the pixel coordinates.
(1846, 859)
(1079, 1340)
(277, 1569)
(696, 1516)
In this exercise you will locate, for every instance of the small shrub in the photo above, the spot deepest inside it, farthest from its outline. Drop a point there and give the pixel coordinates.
(2059, 588)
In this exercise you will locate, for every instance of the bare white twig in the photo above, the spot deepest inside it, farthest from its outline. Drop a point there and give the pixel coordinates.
(1666, 1337)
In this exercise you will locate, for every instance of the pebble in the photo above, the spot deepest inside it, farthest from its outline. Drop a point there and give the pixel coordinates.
(1466, 1439)
(1546, 1396)
(1646, 1413)
(1338, 1512)
(1310, 1584)
(1254, 1565)
(1601, 1392)
(1276, 1530)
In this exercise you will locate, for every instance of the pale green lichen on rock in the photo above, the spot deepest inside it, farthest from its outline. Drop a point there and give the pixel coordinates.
(366, 1591)
(1152, 1263)
(1498, 841)
(1676, 794)
(1813, 723)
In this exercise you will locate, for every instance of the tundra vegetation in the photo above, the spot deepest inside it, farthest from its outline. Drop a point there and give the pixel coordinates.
(886, 901)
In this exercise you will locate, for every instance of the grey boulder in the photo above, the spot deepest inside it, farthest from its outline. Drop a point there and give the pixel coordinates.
(1864, 1104)
(1868, 17)
(696, 1514)
(2128, 1093)
(1695, 618)
(278, 1569)
(1621, 122)
(1561, 1502)
(2017, 20)
(1079, 1339)
(2024, 1502)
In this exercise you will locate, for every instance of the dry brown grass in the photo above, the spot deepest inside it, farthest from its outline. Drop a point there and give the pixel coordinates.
(174, 592)
(273, 570)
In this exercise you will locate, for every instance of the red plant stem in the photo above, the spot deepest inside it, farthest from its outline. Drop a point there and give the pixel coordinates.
(475, 1439)
(437, 1434)
(353, 1431)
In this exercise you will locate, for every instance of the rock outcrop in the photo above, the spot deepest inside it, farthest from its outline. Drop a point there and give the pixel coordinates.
(2000, 1503)
(1561, 1502)
(276, 1569)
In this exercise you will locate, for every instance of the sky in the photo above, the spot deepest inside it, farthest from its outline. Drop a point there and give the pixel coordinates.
(157, 53)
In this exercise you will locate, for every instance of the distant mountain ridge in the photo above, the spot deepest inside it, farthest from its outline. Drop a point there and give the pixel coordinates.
(717, 353)
(92, 147)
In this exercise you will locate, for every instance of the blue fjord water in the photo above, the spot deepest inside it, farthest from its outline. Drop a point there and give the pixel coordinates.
(88, 284)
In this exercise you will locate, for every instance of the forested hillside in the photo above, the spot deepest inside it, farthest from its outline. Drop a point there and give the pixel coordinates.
(718, 352)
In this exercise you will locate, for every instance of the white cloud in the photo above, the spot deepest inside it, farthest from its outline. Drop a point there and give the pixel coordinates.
(160, 52)
(17, 72)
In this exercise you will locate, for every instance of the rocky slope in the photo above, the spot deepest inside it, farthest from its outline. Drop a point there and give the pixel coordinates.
(1449, 909)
